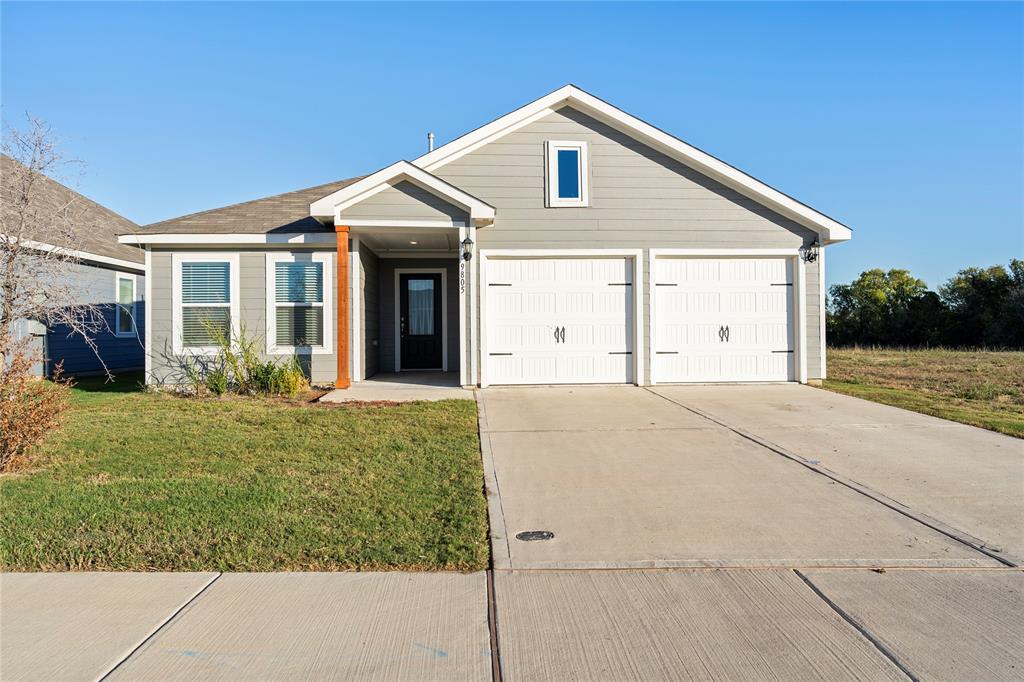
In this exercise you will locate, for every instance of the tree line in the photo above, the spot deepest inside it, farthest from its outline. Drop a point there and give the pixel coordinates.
(977, 307)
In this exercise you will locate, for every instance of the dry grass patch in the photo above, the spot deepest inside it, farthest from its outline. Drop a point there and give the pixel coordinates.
(980, 388)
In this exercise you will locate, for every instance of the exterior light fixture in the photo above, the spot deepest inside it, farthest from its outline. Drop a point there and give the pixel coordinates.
(467, 249)
(810, 252)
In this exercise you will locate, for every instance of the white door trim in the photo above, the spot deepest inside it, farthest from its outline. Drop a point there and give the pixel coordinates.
(799, 295)
(444, 313)
(638, 279)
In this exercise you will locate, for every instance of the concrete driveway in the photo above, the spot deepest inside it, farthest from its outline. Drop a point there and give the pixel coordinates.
(628, 477)
(755, 532)
(965, 478)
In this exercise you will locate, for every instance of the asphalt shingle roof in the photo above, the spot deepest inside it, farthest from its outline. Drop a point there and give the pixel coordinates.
(288, 212)
(98, 226)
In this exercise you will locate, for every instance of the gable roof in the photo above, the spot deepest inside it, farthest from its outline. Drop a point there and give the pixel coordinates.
(98, 228)
(282, 213)
(480, 212)
(830, 229)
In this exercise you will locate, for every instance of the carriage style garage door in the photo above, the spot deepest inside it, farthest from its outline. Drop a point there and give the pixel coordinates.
(723, 319)
(559, 320)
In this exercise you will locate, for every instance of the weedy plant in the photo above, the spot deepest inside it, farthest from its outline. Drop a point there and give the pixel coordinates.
(238, 367)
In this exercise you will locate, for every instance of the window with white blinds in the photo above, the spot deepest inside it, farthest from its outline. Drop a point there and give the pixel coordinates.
(205, 303)
(298, 303)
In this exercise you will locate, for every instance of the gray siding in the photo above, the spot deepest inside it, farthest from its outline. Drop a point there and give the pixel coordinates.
(407, 201)
(167, 366)
(815, 367)
(370, 307)
(387, 307)
(639, 199)
(95, 285)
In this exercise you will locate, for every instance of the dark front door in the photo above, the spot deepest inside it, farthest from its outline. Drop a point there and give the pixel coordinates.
(420, 321)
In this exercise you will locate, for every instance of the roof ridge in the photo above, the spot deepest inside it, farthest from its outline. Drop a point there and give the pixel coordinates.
(250, 201)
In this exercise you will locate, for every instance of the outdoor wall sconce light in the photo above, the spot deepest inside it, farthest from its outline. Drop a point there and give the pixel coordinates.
(467, 249)
(810, 252)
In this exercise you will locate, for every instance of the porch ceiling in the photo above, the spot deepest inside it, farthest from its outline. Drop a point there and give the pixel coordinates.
(405, 240)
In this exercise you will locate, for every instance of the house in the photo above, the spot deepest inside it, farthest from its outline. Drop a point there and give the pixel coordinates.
(101, 271)
(565, 242)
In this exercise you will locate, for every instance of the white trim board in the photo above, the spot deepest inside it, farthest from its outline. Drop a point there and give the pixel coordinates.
(398, 314)
(638, 285)
(269, 239)
(87, 256)
(570, 95)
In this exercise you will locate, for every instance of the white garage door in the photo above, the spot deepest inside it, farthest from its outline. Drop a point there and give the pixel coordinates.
(559, 321)
(723, 319)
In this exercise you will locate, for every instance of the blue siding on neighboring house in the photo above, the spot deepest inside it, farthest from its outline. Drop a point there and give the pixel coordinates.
(97, 285)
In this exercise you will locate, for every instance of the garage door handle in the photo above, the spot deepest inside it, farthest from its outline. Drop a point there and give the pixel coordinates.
(563, 334)
(727, 333)
(556, 334)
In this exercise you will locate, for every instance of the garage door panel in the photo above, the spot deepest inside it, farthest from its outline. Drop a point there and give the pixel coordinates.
(698, 300)
(589, 302)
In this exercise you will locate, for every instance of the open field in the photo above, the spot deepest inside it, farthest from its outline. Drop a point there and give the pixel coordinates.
(140, 481)
(981, 388)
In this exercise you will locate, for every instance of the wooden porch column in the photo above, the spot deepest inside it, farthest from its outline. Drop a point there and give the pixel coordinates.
(344, 379)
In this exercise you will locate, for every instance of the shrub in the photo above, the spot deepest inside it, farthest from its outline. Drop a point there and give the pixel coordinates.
(30, 407)
(238, 367)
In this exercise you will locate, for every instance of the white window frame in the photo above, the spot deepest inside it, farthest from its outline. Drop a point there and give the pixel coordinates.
(235, 309)
(118, 276)
(325, 259)
(551, 149)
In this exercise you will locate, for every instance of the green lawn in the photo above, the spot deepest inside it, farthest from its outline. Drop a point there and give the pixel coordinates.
(980, 388)
(140, 481)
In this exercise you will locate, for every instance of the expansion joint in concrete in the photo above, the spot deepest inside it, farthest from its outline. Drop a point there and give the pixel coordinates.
(867, 634)
(159, 628)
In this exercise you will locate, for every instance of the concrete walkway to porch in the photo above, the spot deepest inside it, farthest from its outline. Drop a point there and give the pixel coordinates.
(402, 387)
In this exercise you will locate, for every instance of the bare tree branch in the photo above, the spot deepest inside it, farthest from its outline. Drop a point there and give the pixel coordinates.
(42, 225)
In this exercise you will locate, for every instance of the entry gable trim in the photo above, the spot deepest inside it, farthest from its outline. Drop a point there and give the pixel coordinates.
(330, 207)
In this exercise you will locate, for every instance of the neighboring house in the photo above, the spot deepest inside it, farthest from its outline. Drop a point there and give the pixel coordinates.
(566, 242)
(103, 272)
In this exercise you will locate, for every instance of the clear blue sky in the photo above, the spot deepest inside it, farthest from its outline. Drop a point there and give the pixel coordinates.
(902, 120)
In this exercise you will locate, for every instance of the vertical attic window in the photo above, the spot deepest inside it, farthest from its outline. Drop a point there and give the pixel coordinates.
(567, 177)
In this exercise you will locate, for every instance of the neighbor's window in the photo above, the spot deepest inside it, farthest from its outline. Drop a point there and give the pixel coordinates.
(567, 174)
(205, 303)
(298, 311)
(125, 307)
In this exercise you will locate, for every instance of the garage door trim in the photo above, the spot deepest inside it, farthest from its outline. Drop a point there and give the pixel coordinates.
(636, 255)
(799, 302)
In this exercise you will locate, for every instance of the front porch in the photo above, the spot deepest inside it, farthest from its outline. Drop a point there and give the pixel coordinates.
(404, 271)
(402, 387)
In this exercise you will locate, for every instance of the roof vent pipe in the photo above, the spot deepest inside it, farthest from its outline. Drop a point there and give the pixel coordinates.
(430, 142)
